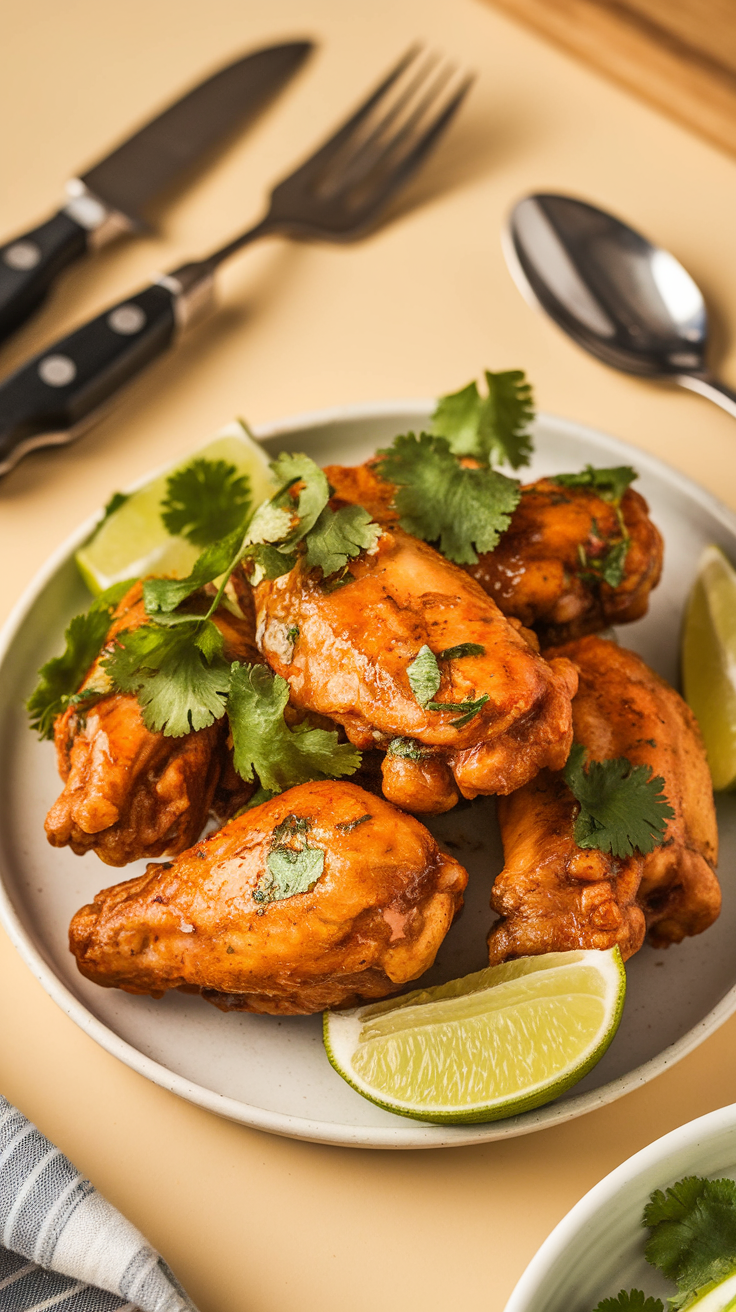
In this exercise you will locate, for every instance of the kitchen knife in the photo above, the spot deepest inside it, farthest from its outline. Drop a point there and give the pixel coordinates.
(109, 198)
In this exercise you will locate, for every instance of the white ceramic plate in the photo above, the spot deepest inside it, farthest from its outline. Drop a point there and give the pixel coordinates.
(272, 1073)
(598, 1248)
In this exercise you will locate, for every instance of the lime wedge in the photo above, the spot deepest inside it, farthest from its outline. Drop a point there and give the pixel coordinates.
(493, 1044)
(709, 662)
(133, 542)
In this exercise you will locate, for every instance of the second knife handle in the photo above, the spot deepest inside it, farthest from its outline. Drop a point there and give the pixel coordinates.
(29, 264)
(44, 400)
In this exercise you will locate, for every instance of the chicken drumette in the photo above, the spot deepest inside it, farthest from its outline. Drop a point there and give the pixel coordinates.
(548, 567)
(346, 653)
(553, 895)
(324, 896)
(129, 792)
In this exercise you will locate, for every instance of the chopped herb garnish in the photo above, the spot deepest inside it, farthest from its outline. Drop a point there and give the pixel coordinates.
(409, 748)
(289, 872)
(622, 808)
(470, 709)
(463, 649)
(347, 826)
(424, 675)
(117, 500)
(608, 484)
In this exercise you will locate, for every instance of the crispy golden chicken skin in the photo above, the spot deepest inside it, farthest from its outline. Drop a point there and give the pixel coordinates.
(544, 569)
(553, 895)
(129, 792)
(370, 901)
(350, 660)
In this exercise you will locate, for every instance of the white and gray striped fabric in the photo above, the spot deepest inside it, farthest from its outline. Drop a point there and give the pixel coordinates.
(63, 1247)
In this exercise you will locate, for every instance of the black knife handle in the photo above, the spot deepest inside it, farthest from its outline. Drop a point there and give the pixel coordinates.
(44, 400)
(29, 264)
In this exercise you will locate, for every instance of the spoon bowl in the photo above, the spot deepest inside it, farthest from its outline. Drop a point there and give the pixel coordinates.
(629, 302)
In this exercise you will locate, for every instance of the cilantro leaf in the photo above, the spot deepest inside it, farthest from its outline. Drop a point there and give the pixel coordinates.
(205, 500)
(408, 748)
(439, 500)
(633, 1301)
(622, 808)
(339, 536)
(61, 676)
(611, 565)
(608, 484)
(424, 675)
(162, 596)
(462, 649)
(181, 683)
(263, 743)
(289, 872)
(693, 1233)
(469, 709)
(491, 427)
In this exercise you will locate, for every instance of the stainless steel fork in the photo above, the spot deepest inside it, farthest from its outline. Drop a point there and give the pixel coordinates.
(338, 194)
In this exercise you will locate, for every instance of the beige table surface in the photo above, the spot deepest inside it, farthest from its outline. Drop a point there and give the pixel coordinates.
(252, 1223)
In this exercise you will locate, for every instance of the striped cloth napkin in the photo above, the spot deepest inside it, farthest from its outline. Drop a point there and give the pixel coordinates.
(63, 1248)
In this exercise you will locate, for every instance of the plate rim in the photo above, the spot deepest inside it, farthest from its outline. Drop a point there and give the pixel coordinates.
(408, 1135)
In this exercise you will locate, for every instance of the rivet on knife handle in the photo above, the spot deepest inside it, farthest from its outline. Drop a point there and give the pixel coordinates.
(29, 264)
(46, 401)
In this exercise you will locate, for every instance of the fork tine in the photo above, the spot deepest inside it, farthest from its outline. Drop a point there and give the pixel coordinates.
(349, 165)
(330, 147)
(408, 164)
(372, 152)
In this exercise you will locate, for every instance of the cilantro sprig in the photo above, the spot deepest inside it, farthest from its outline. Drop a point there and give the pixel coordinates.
(492, 427)
(622, 808)
(447, 491)
(464, 510)
(263, 743)
(692, 1241)
(60, 677)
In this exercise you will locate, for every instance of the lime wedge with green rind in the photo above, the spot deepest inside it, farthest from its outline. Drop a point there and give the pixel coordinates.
(132, 542)
(709, 662)
(494, 1044)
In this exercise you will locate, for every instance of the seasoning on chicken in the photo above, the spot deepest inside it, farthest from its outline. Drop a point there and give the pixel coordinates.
(129, 792)
(549, 565)
(499, 712)
(321, 897)
(555, 896)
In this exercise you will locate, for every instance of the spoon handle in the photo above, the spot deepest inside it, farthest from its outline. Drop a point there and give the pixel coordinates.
(708, 386)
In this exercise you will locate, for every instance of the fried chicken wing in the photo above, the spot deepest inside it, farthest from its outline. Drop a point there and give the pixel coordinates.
(324, 896)
(350, 661)
(547, 567)
(129, 792)
(553, 895)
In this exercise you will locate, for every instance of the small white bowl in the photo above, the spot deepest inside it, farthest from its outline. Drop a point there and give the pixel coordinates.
(598, 1248)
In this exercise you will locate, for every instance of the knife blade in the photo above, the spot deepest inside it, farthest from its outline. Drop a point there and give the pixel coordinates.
(110, 198)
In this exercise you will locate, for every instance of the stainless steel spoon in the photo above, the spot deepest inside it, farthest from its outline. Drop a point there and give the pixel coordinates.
(628, 302)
